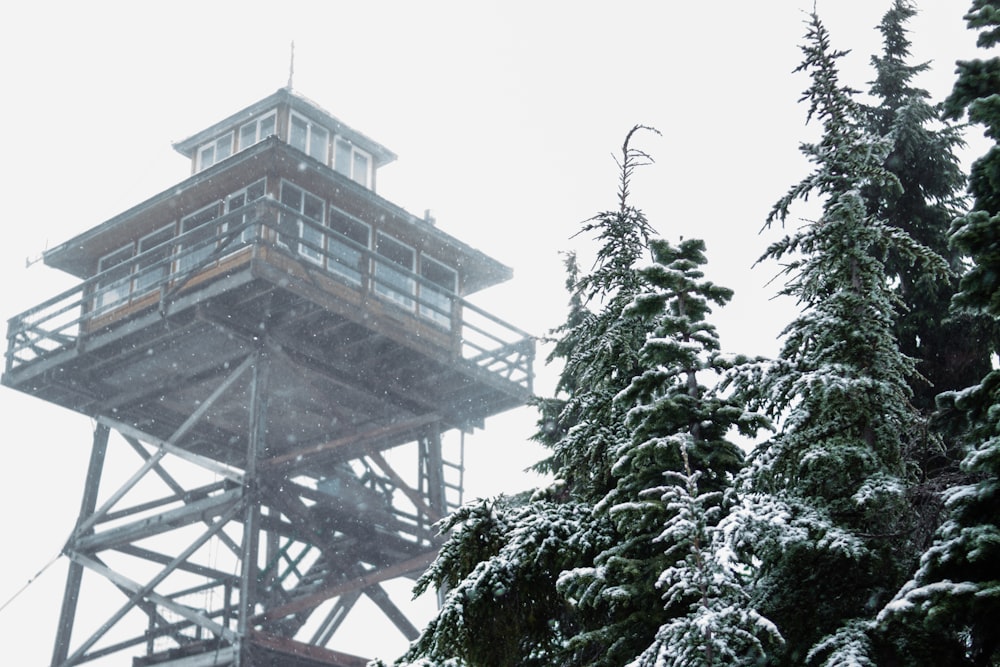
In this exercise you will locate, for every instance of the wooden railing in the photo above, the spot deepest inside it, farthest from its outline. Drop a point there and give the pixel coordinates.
(159, 274)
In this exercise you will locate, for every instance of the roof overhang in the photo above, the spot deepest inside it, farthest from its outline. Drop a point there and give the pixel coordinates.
(270, 157)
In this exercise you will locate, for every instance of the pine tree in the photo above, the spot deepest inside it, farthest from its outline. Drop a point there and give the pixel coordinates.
(674, 423)
(720, 627)
(498, 568)
(825, 508)
(952, 350)
(502, 560)
(597, 346)
(955, 595)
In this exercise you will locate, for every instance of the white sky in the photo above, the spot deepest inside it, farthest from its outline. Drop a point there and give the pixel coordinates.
(505, 116)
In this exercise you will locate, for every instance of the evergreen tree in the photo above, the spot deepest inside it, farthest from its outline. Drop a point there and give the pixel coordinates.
(674, 423)
(825, 508)
(954, 598)
(720, 627)
(498, 568)
(502, 560)
(598, 346)
(952, 350)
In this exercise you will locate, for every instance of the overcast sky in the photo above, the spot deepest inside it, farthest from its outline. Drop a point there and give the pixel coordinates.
(505, 116)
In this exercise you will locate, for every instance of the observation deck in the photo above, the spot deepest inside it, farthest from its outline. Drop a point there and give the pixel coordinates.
(363, 345)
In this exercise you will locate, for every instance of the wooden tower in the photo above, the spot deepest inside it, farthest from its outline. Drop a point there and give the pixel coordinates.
(281, 350)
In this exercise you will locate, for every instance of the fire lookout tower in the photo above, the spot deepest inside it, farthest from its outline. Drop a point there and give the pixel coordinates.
(283, 350)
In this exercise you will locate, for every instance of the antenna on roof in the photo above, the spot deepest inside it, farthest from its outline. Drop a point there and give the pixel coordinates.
(29, 262)
(291, 66)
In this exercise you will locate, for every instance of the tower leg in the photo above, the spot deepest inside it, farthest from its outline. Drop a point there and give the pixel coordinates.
(75, 574)
(433, 468)
(251, 506)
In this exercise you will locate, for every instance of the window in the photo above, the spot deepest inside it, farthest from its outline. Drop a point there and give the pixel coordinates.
(352, 162)
(115, 280)
(394, 271)
(153, 265)
(309, 138)
(215, 151)
(436, 298)
(197, 236)
(310, 220)
(257, 130)
(238, 200)
(346, 246)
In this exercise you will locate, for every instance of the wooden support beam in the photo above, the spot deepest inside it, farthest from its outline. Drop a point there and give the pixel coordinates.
(176, 487)
(360, 582)
(381, 598)
(415, 496)
(183, 516)
(222, 578)
(141, 592)
(336, 616)
(301, 458)
(74, 576)
(88, 524)
(211, 465)
(249, 557)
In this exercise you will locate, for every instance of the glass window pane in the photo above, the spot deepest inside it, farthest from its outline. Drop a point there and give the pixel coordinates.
(436, 299)
(360, 173)
(152, 266)
(395, 251)
(436, 306)
(266, 127)
(224, 147)
(342, 157)
(291, 196)
(395, 283)
(352, 229)
(197, 238)
(314, 237)
(248, 135)
(240, 199)
(115, 282)
(312, 207)
(255, 190)
(299, 134)
(206, 157)
(438, 273)
(317, 143)
(344, 260)
(345, 247)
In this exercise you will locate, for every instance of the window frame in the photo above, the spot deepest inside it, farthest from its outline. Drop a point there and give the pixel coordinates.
(117, 283)
(306, 252)
(386, 276)
(437, 297)
(188, 262)
(214, 145)
(311, 131)
(258, 133)
(352, 155)
(336, 249)
(247, 235)
(144, 283)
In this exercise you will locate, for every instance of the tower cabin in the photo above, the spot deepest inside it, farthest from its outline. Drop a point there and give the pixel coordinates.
(274, 320)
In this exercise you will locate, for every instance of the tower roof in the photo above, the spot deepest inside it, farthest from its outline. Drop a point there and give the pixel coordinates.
(299, 103)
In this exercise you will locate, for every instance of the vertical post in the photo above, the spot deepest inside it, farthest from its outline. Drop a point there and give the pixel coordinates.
(74, 576)
(434, 469)
(251, 499)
